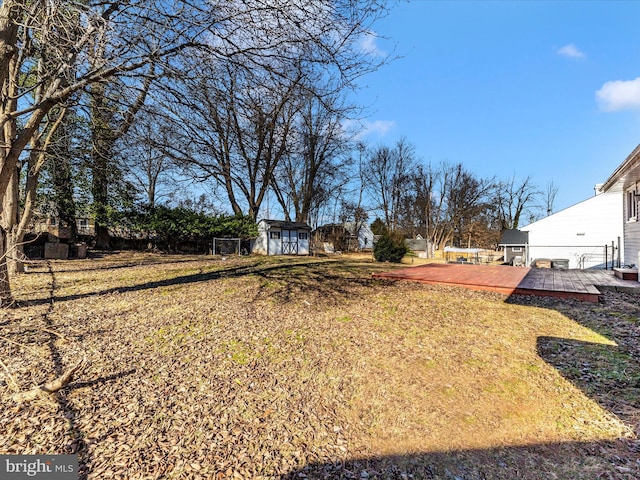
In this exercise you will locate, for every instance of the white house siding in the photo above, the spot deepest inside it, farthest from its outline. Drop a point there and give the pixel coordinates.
(365, 238)
(625, 181)
(578, 233)
(631, 238)
(632, 243)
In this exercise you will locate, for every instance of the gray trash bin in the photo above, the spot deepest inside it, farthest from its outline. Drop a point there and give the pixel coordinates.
(560, 263)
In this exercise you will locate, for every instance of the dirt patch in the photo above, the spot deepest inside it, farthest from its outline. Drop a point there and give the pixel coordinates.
(300, 367)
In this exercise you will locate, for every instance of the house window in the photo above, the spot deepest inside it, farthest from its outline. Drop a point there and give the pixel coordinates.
(302, 236)
(274, 235)
(632, 205)
(516, 249)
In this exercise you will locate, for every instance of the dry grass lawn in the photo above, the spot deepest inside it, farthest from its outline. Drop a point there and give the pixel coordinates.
(255, 367)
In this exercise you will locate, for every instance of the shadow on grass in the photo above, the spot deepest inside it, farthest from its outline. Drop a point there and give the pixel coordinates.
(88, 265)
(609, 374)
(77, 443)
(282, 281)
(567, 461)
(120, 266)
(100, 380)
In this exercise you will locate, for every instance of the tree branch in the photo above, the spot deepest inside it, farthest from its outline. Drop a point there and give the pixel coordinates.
(49, 387)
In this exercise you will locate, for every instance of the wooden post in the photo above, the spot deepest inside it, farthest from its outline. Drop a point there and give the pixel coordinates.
(613, 254)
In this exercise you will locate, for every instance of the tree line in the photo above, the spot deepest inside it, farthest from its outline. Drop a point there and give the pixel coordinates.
(76, 76)
(445, 203)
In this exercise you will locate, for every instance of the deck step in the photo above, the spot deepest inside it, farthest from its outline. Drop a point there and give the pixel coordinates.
(626, 273)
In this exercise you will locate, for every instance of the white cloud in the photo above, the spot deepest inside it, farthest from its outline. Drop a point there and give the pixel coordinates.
(619, 95)
(378, 128)
(570, 51)
(368, 45)
(359, 129)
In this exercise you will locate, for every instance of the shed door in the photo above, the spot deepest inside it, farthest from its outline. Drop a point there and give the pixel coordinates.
(289, 242)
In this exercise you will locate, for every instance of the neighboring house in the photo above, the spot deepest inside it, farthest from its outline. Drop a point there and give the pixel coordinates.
(363, 234)
(420, 247)
(514, 246)
(51, 225)
(279, 237)
(85, 226)
(344, 237)
(587, 234)
(625, 183)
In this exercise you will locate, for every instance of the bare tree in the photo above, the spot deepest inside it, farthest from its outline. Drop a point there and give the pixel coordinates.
(144, 161)
(513, 199)
(317, 162)
(389, 174)
(460, 202)
(46, 55)
(417, 204)
(359, 212)
(233, 125)
(17, 222)
(112, 110)
(550, 197)
(469, 198)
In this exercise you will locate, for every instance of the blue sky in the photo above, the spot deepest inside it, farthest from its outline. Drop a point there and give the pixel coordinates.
(546, 88)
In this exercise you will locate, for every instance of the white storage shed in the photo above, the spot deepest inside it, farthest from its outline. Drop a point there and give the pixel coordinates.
(279, 237)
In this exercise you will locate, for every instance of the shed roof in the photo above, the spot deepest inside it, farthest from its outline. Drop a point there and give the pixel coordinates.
(514, 237)
(350, 227)
(286, 225)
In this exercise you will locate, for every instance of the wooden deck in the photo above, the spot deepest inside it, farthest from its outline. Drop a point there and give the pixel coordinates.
(584, 285)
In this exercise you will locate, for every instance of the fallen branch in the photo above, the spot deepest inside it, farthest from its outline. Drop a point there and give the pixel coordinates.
(60, 336)
(14, 385)
(49, 387)
(19, 344)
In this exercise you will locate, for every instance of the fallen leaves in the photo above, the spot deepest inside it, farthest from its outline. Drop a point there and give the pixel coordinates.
(292, 367)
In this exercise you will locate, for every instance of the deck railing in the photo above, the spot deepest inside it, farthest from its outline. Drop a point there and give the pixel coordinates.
(604, 257)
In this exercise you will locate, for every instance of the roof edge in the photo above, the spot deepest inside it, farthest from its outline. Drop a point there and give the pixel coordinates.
(286, 224)
(632, 158)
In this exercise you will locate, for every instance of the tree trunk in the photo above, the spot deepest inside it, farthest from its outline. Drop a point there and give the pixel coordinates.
(102, 236)
(10, 12)
(103, 139)
(15, 252)
(6, 299)
(10, 226)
